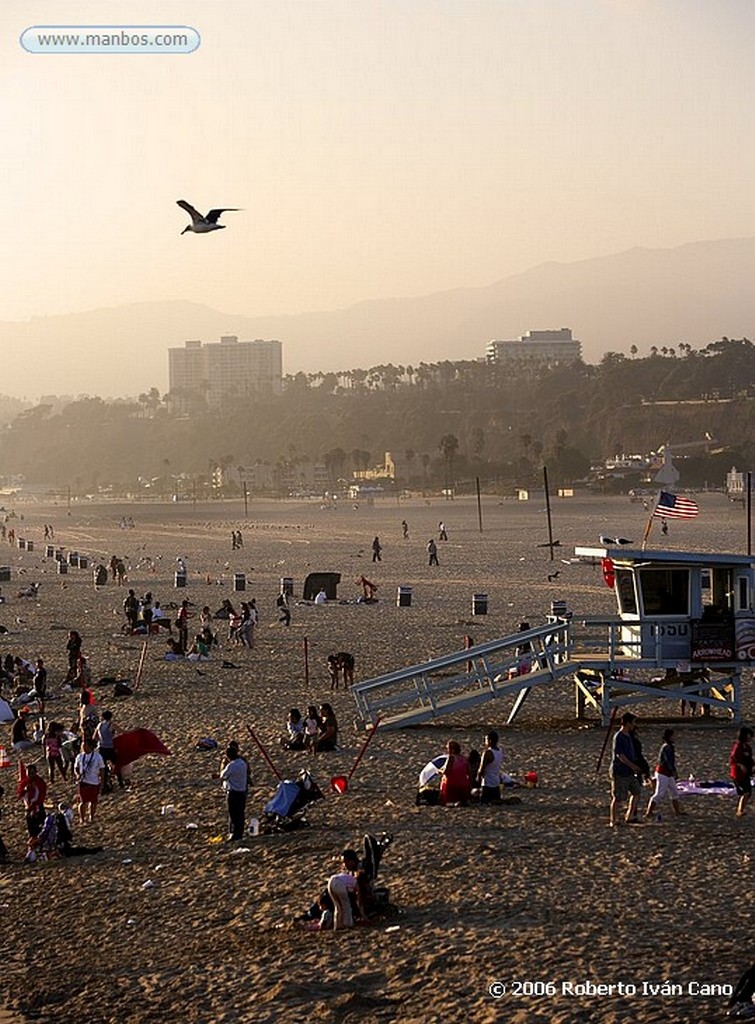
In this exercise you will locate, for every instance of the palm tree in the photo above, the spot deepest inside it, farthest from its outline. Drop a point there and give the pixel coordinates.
(449, 445)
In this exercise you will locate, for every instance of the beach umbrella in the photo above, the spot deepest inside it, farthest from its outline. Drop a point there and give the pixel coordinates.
(130, 746)
(431, 769)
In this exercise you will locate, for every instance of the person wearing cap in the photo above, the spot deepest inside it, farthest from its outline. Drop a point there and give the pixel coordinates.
(626, 772)
(19, 733)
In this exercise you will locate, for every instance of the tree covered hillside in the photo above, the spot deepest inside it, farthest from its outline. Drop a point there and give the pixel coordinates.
(445, 423)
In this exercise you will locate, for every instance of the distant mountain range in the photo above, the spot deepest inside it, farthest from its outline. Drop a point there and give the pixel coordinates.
(694, 293)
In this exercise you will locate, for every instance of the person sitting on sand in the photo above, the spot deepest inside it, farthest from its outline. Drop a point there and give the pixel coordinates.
(489, 774)
(294, 738)
(199, 650)
(312, 725)
(328, 737)
(341, 887)
(19, 733)
(455, 784)
(174, 652)
(159, 619)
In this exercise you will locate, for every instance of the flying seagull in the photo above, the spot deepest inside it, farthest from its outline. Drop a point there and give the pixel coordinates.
(199, 224)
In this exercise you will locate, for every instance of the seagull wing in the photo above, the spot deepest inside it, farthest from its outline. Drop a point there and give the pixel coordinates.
(212, 216)
(194, 214)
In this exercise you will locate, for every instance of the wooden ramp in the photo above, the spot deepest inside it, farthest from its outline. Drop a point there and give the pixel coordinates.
(511, 666)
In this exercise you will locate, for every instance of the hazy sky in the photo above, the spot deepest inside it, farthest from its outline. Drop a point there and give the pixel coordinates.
(378, 147)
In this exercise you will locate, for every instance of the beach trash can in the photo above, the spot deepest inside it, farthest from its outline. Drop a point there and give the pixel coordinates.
(62, 568)
(4, 574)
(30, 545)
(479, 604)
(21, 544)
(59, 554)
(49, 551)
(287, 586)
(404, 597)
(239, 582)
(73, 559)
(83, 562)
(180, 579)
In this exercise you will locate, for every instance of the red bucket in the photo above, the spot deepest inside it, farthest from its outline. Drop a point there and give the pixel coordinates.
(339, 783)
(531, 778)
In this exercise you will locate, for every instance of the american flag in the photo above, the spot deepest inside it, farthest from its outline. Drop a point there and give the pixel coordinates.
(673, 506)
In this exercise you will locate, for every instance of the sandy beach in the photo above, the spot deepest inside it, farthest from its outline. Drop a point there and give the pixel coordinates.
(540, 899)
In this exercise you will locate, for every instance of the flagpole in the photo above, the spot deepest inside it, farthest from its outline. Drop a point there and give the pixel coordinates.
(649, 526)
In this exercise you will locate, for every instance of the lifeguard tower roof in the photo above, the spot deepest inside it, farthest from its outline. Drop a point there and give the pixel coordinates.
(622, 554)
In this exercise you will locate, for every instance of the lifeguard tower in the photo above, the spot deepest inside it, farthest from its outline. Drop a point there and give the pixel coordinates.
(684, 632)
(687, 613)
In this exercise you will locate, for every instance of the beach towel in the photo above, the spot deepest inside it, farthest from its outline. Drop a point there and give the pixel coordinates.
(698, 787)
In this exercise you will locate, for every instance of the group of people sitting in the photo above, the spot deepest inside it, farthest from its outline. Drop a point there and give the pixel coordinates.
(144, 615)
(25, 681)
(316, 732)
(476, 776)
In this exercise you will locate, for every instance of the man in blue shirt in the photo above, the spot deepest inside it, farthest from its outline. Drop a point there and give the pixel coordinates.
(626, 782)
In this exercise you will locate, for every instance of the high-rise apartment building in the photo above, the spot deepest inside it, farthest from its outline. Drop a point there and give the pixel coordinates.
(228, 368)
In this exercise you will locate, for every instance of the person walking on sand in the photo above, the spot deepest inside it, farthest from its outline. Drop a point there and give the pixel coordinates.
(626, 785)
(442, 535)
(432, 552)
(666, 776)
(740, 760)
(404, 529)
(376, 549)
(281, 603)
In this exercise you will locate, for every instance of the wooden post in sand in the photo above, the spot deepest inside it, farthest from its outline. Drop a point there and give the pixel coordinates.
(306, 661)
(140, 666)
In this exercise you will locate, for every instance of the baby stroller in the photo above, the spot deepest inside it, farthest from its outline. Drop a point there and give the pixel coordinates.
(287, 808)
(375, 896)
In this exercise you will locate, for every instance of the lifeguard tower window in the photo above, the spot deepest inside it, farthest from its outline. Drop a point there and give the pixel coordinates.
(625, 590)
(718, 596)
(665, 591)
